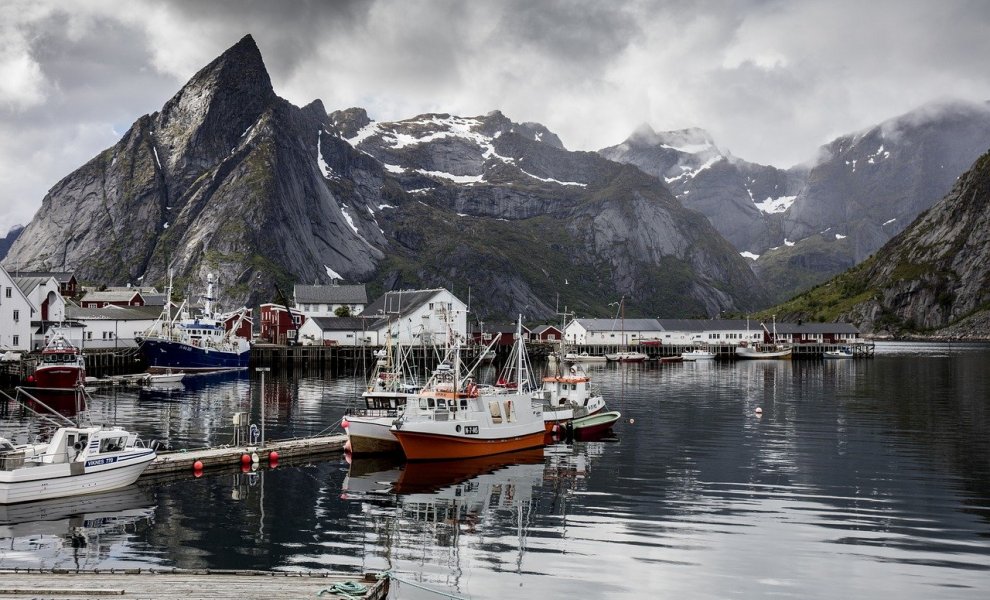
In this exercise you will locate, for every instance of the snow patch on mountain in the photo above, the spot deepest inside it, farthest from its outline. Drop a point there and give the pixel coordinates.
(749, 255)
(774, 205)
(690, 173)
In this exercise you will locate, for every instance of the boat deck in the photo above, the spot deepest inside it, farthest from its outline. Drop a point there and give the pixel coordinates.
(17, 584)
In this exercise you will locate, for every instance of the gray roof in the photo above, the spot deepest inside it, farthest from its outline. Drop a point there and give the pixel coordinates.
(28, 283)
(61, 277)
(110, 296)
(708, 324)
(340, 323)
(542, 328)
(620, 324)
(118, 313)
(330, 294)
(400, 303)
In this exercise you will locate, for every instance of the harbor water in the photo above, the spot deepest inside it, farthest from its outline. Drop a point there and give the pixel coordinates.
(788, 479)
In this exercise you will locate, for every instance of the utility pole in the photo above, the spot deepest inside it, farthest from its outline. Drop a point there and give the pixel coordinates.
(262, 370)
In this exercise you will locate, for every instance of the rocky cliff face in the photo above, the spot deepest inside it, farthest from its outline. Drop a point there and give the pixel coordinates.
(228, 178)
(933, 275)
(600, 230)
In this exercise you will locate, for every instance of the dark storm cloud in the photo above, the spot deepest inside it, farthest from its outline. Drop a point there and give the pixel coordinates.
(770, 79)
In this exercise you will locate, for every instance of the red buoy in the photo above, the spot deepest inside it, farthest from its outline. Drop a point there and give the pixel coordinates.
(245, 459)
(345, 423)
(198, 465)
(273, 456)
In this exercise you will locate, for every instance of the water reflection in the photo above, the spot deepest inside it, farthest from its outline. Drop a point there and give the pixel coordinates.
(73, 533)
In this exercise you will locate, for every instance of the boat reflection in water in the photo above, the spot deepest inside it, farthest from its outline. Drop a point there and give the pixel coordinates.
(83, 532)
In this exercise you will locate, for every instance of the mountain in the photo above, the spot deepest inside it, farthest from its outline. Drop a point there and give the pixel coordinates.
(228, 178)
(490, 195)
(224, 179)
(743, 200)
(8, 240)
(817, 219)
(933, 275)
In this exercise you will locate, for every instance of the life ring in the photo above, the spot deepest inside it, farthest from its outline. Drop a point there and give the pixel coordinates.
(78, 446)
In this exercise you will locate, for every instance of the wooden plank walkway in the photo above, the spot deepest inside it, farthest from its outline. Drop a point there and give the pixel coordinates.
(228, 456)
(127, 584)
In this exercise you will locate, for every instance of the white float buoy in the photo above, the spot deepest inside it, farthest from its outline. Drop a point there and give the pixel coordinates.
(758, 411)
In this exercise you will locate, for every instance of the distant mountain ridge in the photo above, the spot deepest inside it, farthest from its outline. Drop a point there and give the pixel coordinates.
(817, 219)
(230, 179)
(8, 240)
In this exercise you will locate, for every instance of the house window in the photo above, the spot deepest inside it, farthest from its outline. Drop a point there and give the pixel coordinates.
(89, 335)
(8, 293)
(16, 340)
(17, 314)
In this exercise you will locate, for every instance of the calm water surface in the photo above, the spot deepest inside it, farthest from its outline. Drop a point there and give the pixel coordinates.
(866, 478)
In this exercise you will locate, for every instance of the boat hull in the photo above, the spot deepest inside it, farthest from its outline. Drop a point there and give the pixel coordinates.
(429, 446)
(371, 435)
(67, 479)
(754, 354)
(58, 378)
(165, 354)
(593, 425)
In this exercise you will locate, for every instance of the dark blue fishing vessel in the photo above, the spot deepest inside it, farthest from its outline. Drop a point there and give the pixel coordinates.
(201, 342)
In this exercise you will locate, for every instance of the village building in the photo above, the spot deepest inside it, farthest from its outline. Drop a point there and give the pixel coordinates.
(68, 287)
(150, 294)
(16, 314)
(107, 327)
(505, 332)
(546, 333)
(418, 317)
(612, 332)
(279, 325)
(102, 298)
(817, 333)
(326, 300)
(337, 331)
(43, 292)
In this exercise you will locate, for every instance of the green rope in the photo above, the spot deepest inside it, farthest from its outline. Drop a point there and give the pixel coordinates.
(347, 589)
(389, 575)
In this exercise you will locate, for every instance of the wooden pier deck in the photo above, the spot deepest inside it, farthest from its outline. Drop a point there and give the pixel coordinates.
(21, 584)
(228, 456)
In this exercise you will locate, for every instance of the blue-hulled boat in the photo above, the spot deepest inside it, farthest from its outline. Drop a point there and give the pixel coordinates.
(193, 343)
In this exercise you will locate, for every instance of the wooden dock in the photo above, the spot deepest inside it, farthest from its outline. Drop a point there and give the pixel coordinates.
(25, 584)
(228, 456)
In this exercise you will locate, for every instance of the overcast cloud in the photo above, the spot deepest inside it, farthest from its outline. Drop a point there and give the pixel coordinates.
(771, 80)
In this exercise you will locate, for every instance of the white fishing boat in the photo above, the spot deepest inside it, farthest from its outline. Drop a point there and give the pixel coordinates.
(698, 354)
(76, 461)
(163, 378)
(391, 384)
(568, 395)
(583, 357)
(626, 356)
(452, 417)
(770, 348)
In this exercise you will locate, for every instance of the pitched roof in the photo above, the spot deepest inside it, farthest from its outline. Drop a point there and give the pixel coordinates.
(540, 329)
(113, 313)
(619, 324)
(29, 283)
(110, 296)
(330, 294)
(340, 323)
(61, 277)
(400, 302)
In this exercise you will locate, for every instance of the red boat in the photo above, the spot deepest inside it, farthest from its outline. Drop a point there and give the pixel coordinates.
(61, 368)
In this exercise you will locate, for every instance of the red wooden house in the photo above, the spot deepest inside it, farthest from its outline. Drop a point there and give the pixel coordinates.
(278, 326)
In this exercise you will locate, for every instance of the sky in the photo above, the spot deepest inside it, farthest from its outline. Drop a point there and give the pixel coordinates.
(771, 80)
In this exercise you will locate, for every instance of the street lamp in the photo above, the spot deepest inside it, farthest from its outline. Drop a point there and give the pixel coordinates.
(262, 370)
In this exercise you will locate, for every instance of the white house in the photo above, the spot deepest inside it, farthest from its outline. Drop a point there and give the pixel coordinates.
(113, 326)
(324, 300)
(16, 313)
(685, 332)
(337, 331)
(412, 317)
(43, 292)
(614, 332)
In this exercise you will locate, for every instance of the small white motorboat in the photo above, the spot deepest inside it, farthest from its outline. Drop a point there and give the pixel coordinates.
(167, 377)
(843, 352)
(698, 354)
(77, 460)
